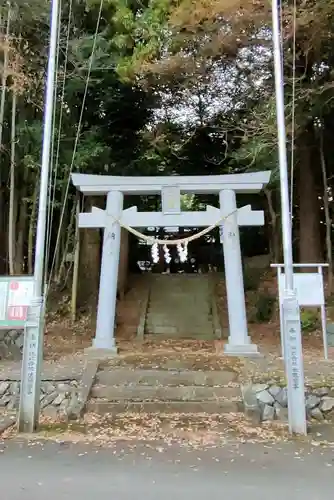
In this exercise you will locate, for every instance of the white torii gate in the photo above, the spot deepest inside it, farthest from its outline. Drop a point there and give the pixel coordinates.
(170, 188)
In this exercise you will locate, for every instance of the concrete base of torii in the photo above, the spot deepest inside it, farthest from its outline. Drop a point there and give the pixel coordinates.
(247, 350)
(101, 352)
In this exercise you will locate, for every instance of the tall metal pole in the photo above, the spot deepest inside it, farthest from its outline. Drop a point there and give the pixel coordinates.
(291, 314)
(34, 332)
(47, 139)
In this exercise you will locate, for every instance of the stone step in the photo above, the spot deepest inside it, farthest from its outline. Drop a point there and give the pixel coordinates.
(191, 293)
(162, 337)
(179, 310)
(178, 313)
(178, 331)
(178, 320)
(180, 304)
(102, 407)
(164, 300)
(159, 337)
(181, 286)
(180, 277)
(183, 331)
(186, 288)
(118, 376)
(164, 393)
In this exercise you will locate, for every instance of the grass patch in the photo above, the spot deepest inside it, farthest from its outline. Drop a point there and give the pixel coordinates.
(54, 428)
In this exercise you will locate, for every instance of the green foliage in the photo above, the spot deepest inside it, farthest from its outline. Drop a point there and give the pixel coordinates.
(252, 278)
(265, 307)
(260, 305)
(140, 31)
(309, 320)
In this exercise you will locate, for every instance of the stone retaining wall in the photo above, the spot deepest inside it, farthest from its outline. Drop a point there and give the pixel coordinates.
(57, 397)
(266, 402)
(11, 344)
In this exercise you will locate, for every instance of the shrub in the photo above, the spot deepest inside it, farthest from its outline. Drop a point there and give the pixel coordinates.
(265, 306)
(261, 306)
(309, 320)
(252, 278)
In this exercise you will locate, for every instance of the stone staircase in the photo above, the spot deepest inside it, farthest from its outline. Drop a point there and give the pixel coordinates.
(120, 389)
(180, 305)
(168, 306)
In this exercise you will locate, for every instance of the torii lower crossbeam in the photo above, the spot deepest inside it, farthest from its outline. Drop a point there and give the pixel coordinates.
(132, 218)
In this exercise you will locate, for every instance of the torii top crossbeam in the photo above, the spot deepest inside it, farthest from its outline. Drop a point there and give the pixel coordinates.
(200, 184)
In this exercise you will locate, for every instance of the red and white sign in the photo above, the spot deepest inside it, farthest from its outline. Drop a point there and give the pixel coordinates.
(17, 313)
(19, 296)
(15, 297)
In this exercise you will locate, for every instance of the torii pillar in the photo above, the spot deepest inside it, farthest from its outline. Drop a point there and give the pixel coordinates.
(106, 311)
(239, 342)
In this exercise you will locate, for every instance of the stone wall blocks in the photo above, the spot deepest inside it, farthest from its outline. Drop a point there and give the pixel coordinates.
(271, 402)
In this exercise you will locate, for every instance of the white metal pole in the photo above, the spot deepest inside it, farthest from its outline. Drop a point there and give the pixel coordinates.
(291, 313)
(47, 139)
(282, 151)
(33, 339)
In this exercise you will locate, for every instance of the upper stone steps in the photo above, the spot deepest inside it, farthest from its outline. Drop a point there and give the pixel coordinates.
(179, 305)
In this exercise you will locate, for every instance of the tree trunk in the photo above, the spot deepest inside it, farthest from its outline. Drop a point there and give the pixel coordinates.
(309, 209)
(20, 252)
(328, 219)
(19, 264)
(275, 237)
(4, 78)
(69, 237)
(60, 245)
(12, 211)
(122, 279)
(90, 260)
(2, 116)
(31, 233)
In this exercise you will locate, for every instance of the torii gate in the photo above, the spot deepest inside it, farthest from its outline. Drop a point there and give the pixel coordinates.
(170, 189)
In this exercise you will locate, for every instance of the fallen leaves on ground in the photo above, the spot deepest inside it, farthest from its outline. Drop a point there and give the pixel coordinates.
(195, 431)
